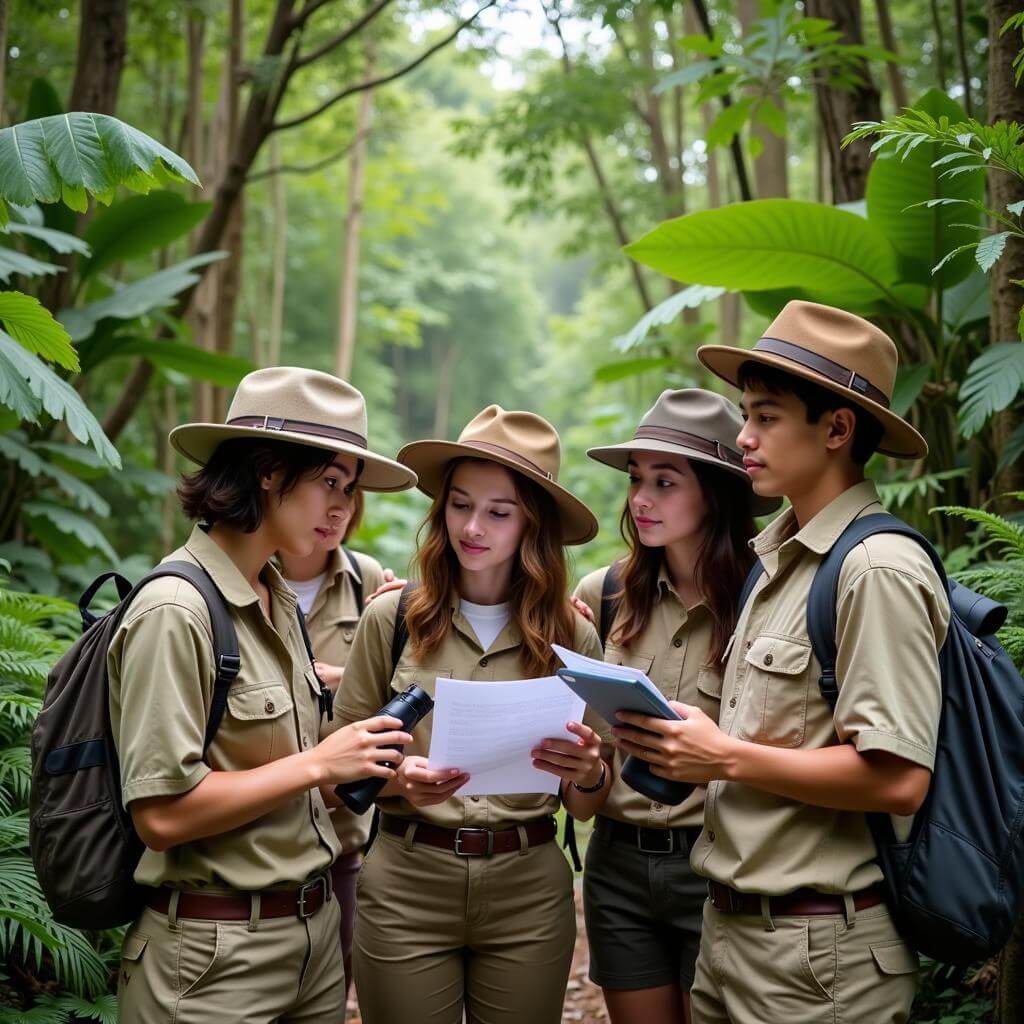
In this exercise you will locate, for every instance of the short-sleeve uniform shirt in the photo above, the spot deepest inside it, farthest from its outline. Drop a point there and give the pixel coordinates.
(332, 621)
(672, 649)
(370, 683)
(161, 672)
(892, 618)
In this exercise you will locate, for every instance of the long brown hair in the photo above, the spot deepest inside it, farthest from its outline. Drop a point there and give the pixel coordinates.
(722, 565)
(540, 579)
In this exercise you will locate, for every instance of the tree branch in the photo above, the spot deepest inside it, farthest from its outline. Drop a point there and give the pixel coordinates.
(305, 168)
(302, 59)
(373, 83)
(300, 19)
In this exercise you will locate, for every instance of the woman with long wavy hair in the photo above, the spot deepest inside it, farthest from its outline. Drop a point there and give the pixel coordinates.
(465, 903)
(671, 606)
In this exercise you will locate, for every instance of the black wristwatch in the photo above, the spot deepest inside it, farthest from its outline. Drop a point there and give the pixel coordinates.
(600, 782)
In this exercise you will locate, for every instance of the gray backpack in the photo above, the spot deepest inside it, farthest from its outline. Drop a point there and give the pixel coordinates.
(84, 845)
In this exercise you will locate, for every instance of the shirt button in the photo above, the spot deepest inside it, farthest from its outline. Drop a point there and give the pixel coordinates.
(732, 702)
(750, 643)
(475, 799)
(657, 807)
(678, 642)
(305, 742)
(768, 659)
(483, 662)
(348, 634)
(711, 837)
(269, 707)
(316, 813)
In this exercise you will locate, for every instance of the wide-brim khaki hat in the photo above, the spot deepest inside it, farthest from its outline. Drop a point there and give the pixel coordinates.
(520, 441)
(836, 350)
(288, 403)
(697, 424)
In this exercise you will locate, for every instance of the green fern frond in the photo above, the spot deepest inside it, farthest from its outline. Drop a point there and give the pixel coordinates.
(1012, 638)
(33, 609)
(16, 771)
(14, 831)
(1000, 582)
(997, 529)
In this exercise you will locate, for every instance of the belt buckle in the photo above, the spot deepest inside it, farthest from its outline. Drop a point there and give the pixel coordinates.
(306, 890)
(667, 833)
(475, 831)
(273, 423)
(723, 898)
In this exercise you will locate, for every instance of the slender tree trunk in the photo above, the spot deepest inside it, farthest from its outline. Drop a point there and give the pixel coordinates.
(3, 60)
(940, 45)
(444, 371)
(195, 38)
(1006, 103)
(279, 192)
(348, 292)
(102, 44)
(892, 69)
(961, 52)
(771, 171)
(839, 108)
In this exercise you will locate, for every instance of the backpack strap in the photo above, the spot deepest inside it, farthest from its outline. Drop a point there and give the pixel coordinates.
(401, 635)
(124, 591)
(225, 639)
(611, 585)
(822, 599)
(357, 578)
(756, 572)
(326, 694)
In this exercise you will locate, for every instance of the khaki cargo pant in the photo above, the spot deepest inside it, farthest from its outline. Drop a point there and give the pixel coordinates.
(809, 970)
(437, 933)
(221, 972)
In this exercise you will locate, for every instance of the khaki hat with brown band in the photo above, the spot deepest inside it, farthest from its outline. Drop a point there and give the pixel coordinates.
(836, 350)
(521, 441)
(698, 425)
(288, 403)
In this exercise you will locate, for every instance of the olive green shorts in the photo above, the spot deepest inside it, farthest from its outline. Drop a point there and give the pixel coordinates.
(643, 913)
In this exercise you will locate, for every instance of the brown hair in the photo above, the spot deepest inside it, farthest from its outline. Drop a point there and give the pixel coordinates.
(358, 505)
(722, 564)
(539, 579)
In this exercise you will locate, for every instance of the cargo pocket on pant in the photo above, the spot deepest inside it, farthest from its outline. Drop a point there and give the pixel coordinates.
(131, 957)
(894, 958)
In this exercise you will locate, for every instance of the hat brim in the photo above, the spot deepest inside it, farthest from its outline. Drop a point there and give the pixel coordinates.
(197, 441)
(899, 440)
(617, 456)
(430, 459)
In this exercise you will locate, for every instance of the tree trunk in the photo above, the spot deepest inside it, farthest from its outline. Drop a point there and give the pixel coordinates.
(839, 109)
(771, 171)
(348, 292)
(3, 59)
(102, 43)
(279, 270)
(444, 372)
(899, 88)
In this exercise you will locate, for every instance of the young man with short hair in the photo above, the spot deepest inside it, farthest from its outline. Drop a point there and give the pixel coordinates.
(795, 928)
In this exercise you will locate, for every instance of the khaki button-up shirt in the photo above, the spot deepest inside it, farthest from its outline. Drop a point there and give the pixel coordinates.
(369, 684)
(892, 619)
(673, 650)
(332, 621)
(161, 671)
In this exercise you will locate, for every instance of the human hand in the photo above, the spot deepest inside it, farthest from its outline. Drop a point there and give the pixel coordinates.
(583, 608)
(360, 750)
(576, 760)
(425, 786)
(329, 675)
(388, 584)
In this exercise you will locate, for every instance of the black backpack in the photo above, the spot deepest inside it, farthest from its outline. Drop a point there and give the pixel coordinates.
(956, 886)
(84, 845)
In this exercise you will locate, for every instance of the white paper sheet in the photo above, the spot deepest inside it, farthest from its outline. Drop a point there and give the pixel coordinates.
(581, 663)
(489, 728)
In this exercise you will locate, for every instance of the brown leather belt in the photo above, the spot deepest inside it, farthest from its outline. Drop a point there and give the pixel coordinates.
(207, 906)
(648, 840)
(472, 842)
(800, 903)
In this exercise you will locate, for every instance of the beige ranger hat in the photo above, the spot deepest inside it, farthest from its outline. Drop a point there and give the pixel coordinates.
(698, 424)
(287, 403)
(836, 350)
(521, 441)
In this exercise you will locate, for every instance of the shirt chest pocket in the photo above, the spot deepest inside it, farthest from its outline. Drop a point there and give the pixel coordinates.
(774, 702)
(258, 726)
(615, 655)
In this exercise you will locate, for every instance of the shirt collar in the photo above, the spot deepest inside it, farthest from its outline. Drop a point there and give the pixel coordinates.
(337, 563)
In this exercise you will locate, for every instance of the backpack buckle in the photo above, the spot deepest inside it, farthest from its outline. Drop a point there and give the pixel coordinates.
(228, 666)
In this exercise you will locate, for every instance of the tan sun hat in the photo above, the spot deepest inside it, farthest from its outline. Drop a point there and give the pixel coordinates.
(287, 403)
(697, 424)
(837, 351)
(521, 441)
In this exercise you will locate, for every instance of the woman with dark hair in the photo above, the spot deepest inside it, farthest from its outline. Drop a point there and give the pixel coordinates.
(241, 924)
(465, 903)
(672, 606)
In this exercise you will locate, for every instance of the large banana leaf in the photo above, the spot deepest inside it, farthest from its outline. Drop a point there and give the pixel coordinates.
(218, 368)
(829, 255)
(923, 235)
(70, 156)
(138, 298)
(137, 226)
(70, 536)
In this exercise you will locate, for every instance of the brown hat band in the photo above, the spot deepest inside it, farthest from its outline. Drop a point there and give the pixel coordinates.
(506, 453)
(299, 427)
(835, 372)
(701, 444)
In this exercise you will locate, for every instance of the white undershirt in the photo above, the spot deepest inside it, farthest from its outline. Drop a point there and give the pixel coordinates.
(487, 620)
(306, 590)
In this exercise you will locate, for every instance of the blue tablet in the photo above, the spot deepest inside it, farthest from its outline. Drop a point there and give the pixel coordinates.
(608, 694)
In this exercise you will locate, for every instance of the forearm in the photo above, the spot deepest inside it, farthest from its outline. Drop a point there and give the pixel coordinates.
(839, 777)
(583, 806)
(223, 801)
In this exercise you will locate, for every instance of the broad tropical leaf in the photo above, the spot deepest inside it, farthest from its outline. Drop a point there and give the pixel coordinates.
(66, 532)
(923, 235)
(993, 381)
(665, 312)
(32, 325)
(56, 396)
(910, 381)
(137, 226)
(829, 255)
(59, 241)
(138, 298)
(198, 363)
(70, 156)
(611, 372)
(14, 262)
